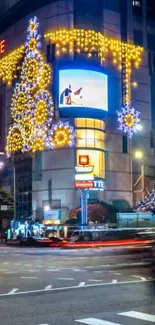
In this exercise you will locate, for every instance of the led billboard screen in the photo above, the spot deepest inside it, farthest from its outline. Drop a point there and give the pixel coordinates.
(83, 88)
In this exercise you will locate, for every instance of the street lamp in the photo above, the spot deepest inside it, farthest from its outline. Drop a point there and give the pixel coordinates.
(139, 127)
(46, 208)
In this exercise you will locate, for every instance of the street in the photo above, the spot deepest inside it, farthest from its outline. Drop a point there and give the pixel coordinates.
(96, 287)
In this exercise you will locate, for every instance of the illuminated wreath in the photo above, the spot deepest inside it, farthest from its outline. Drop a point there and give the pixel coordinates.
(28, 126)
(128, 119)
(31, 69)
(38, 140)
(61, 135)
(33, 26)
(43, 108)
(45, 74)
(15, 139)
(21, 102)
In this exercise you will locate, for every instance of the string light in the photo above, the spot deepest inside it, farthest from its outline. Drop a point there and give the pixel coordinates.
(9, 65)
(31, 105)
(123, 55)
(128, 119)
(61, 135)
(15, 138)
(21, 102)
(43, 108)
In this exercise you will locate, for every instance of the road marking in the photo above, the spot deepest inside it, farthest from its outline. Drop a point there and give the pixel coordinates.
(94, 280)
(53, 270)
(82, 284)
(67, 279)
(33, 271)
(29, 277)
(116, 273)
(95, 321)
(138, 315)
(74, 287)
(11, 272)
(138, 276)
(13, 291)
(114, 281)
(49, 287)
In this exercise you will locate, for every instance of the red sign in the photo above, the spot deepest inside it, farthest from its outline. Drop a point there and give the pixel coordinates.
(84, 184)
(83, 160)
(2, 46)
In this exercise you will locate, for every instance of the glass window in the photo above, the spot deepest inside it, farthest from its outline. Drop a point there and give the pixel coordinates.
(90, 139)
(97, 159)
(99, 139)
(80, 122)
(90, 123)
(81, 138)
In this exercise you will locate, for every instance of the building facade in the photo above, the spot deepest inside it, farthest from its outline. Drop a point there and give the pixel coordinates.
(47, 178)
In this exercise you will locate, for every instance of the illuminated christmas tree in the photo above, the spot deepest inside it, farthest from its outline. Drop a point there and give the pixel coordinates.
(32, 104)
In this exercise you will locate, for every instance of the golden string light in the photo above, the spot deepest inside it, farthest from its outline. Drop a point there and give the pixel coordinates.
(91, 42)
(44, 78)
(40, 112)
(38, 144)
(9, 65)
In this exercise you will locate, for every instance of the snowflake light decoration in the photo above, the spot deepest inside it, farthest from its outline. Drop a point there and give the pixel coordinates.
(61, 135)
(128, 119)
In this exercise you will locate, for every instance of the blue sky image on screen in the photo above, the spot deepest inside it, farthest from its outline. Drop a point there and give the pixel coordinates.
(83, 88)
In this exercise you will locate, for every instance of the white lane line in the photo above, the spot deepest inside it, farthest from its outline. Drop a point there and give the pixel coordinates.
(82, 284)
(94, 280)
(49, 287)
(33, 271)
(13, 291)
(138, 315)
(116, 273)
(53, 270)
(5, 263)
(29, 277)
(95, 321)
(28, 265)
(17, 263)
(98, 271)
(67, 279)
(114, 281)
(138, 276)
(11, 272)
(75, 287)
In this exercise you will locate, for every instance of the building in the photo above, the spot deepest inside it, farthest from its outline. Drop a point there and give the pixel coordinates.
(47, 178)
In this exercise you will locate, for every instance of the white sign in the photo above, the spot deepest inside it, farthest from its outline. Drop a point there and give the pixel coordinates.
(84, 177)
(84, 169)
(98, 186)
(4, 207)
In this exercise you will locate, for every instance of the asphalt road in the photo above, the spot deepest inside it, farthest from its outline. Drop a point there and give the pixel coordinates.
(91, 287)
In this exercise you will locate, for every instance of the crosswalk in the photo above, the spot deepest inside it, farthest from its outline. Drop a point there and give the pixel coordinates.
(144, 318)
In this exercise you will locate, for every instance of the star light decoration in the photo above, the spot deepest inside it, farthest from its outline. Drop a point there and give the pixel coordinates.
(128, 119)
(61, 135)
(32, 104)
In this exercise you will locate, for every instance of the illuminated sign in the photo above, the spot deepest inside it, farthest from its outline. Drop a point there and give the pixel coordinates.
(84, 169)
(83, 160)
(84, 177)
(84, 185)
(83, 88)
(98, 185)
(2, 46)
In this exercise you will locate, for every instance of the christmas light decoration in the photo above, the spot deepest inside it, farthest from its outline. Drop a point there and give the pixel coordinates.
(148, 205)
(43, 108)
(15, 139)
(32, 104)
(90, 43)
(128, 119)
(9, 65)
(21, 102)
(61, 135)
